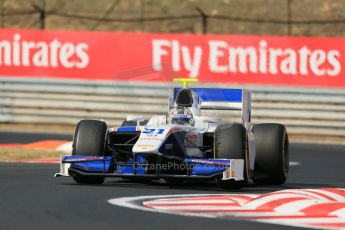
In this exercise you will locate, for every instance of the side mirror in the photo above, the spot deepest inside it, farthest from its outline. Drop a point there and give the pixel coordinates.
(137, 118)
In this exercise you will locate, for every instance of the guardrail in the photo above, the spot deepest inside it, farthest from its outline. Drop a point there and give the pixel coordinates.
(304, 111)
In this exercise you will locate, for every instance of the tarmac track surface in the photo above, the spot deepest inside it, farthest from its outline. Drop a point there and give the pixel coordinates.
(32, 199)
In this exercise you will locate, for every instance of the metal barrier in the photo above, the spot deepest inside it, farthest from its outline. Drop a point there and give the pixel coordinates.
(305, 111)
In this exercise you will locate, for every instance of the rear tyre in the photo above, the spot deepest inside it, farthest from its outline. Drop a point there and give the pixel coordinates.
(272, 154)
(89, 140)
(230, 142)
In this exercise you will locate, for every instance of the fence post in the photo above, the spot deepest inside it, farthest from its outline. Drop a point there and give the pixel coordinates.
(142, 15)
(42, 9)
(289, 17)
(2, 13)
(204, 19)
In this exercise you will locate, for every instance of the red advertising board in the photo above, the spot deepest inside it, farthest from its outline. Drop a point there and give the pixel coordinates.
(240, 59)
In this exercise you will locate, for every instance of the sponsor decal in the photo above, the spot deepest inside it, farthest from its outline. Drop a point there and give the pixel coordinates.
(202, 161)
(48, 53)
(192, 137)
(259, 57)
(150, 139)
(242, 59)
(145, 146)
(81, 159)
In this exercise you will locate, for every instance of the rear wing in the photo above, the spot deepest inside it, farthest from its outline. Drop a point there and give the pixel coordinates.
(221, 99)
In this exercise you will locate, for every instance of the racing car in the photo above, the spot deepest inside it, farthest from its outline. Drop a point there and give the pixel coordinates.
(183, 145)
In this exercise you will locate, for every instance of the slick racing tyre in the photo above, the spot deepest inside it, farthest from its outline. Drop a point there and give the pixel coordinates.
(80, 179)
(89, 140)
(272, 154)
(230, 142)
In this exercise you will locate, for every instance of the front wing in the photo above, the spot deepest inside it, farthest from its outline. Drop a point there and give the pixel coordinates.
(196, 168)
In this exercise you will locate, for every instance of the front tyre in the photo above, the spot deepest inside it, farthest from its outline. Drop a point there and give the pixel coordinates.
(230, 142)
(89, 140)
(80, 179)
(272, 154)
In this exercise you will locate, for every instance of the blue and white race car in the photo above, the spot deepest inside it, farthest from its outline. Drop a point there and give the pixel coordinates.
(183, 145)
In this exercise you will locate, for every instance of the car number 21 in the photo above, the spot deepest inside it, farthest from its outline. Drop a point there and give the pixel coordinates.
(153, 131)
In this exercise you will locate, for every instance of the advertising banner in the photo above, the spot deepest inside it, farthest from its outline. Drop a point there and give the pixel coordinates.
(233, 59)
